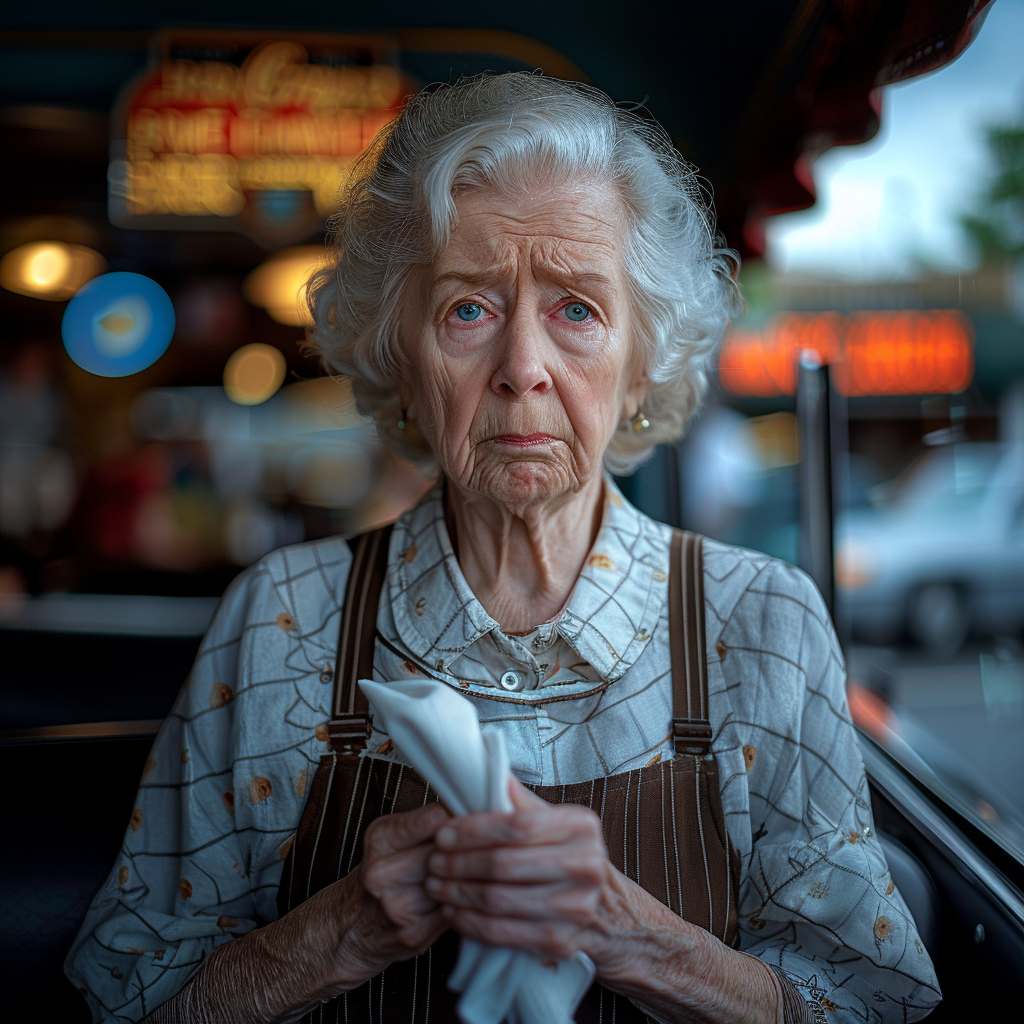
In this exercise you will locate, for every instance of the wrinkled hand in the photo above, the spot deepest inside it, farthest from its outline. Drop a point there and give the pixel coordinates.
(395, 917)
(538, 879)
(336, 940)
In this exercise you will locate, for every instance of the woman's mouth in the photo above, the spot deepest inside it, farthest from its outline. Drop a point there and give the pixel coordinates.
(524, 440)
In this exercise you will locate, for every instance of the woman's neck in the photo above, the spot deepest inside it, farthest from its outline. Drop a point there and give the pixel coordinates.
(522, 566)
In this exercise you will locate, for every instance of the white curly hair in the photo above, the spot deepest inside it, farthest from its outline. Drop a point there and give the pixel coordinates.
(503, 132)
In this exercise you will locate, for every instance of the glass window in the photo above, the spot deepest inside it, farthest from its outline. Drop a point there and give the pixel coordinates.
(908, 277)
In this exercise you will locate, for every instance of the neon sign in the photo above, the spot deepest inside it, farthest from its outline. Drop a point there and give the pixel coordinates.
(241, 132)
(905, 352)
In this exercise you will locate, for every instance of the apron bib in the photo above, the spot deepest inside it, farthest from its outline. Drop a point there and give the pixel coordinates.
(663, 824)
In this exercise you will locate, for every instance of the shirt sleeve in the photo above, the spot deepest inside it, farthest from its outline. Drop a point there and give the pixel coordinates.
(818, 901)
(186, 878)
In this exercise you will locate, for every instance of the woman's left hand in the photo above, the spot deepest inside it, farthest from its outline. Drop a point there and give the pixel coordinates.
(538, 879)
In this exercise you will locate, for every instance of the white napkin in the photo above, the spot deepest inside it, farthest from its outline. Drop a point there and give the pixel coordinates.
(437, 731)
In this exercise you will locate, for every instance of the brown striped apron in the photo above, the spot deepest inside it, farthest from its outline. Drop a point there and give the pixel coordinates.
(663, 824)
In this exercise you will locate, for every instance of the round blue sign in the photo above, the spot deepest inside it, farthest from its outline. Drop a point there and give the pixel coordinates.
(118, 324)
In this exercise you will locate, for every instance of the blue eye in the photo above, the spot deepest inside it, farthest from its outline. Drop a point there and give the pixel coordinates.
(577, 311)
(470, 311)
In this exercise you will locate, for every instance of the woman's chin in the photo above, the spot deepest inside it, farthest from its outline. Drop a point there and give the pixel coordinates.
(524, 481)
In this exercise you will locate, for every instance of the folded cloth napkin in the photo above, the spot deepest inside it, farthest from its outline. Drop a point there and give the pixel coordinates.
(438, 732)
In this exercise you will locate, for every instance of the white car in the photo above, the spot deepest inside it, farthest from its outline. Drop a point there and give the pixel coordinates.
(942, 554)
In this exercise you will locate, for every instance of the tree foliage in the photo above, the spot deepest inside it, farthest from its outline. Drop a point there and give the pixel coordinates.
(997, 224)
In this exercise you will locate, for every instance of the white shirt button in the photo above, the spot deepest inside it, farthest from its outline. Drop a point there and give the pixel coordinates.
(510, 681)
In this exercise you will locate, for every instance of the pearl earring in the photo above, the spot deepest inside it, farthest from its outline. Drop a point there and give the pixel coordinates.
(640, 422)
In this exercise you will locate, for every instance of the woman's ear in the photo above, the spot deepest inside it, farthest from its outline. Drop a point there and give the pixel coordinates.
(406, 399)
(405, 393)
(409, 403)
(636, 394)
(409, 384)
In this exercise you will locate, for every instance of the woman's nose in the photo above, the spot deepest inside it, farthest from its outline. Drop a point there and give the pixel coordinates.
(522, 369)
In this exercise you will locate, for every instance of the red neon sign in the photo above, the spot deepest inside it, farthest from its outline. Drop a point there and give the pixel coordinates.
(906, 352)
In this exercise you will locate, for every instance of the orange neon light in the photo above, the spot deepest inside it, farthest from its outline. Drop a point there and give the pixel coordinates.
(907, 352)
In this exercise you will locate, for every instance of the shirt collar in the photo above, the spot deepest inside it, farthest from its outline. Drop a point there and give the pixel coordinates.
(608, 620)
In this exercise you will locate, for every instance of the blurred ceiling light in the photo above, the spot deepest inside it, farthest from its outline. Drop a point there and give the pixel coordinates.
(279, 285)
(254, 373)
(50, 270)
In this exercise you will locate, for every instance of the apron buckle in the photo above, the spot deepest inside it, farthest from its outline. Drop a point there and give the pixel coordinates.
(691, 737)
(348, 733)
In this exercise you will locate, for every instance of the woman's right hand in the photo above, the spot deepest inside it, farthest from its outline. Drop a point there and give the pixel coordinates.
(382, 909)
(334, 942)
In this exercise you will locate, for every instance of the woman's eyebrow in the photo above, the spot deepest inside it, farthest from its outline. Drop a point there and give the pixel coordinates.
(474, 277)
(566, 277)
(594, 280)
(588, 281)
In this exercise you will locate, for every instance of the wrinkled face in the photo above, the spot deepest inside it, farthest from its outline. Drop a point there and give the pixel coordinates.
(520, 358)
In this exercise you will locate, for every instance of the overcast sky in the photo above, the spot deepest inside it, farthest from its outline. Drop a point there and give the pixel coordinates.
(884, 202)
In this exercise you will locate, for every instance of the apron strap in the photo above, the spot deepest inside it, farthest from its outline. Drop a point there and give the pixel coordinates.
(691, 728)
(350, 711)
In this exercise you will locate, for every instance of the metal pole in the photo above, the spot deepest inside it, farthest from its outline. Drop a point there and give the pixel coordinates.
(812, 409)
(839, 419)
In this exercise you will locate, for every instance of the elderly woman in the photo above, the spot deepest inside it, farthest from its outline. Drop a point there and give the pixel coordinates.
(526, 289)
